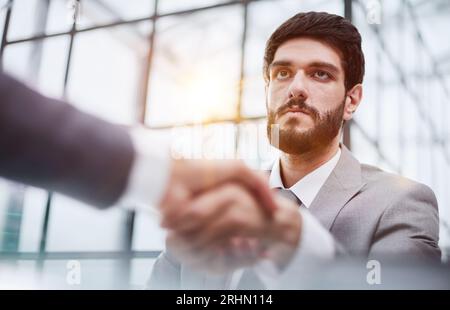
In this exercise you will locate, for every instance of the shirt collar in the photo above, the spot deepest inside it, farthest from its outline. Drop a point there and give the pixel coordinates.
(306, 189)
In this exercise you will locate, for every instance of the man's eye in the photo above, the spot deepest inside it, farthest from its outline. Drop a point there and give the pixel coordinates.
(282, 75)
(322, 75)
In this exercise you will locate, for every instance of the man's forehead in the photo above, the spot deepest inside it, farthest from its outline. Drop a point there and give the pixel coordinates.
(302, 51)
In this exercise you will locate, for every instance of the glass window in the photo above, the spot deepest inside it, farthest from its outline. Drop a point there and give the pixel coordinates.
(60, 16)
(5, 192)
(34, 203)
(148, 235)
(74, 226)
(15, 60)
(105, 72)
(95, 12)
(4, 189)
(25, 20)
(362, 147)
(45, 73)
(169, 6)
(405, 91)
(11, 218)
(195, 71)
(2, 16)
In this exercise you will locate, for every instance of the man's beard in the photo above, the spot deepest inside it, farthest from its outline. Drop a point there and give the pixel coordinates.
(326, 128)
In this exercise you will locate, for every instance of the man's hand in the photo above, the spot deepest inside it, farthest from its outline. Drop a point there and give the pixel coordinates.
(225, 228)
(190, 178)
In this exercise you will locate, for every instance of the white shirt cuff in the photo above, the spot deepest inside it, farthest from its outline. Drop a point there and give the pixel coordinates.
(316, 245)
(316, 241)
(150, 171)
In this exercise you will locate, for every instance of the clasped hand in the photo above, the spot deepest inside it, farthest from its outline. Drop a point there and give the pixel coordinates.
(221, 216)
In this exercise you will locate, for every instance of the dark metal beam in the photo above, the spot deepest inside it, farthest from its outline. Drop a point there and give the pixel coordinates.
(143, 100)
(131, 21)
(77, 255)
(35, 58)
(348, 9)
(48, 205)
(241, 74)
(8, 7)
(348, 14)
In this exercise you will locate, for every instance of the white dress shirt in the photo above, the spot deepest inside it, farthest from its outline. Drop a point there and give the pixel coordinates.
(316, 241)
(149, 173)
(307, 188)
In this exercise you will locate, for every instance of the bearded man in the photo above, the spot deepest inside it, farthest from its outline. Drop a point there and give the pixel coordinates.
(313, 68)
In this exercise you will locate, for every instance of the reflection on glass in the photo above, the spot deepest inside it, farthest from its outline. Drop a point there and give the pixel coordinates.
(168, 6)
(45, 73)
(95, 12)
(59, 16)
(16, 60)
(4, 189)
(148, 235)
(5, 192)
(24, 18)
(75, 226)
(195, 67)
(32, 219)
(53, 66)
(106, 71)
(362, 148)
(2, 17)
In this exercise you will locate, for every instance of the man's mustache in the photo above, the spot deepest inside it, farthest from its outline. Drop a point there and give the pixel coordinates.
(299, 104)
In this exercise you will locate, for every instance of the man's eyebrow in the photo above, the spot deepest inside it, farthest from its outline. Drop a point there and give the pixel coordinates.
(324, 65)
(280, 63)
(315, 64)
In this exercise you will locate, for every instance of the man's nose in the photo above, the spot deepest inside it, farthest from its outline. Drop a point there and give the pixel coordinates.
(297, 88)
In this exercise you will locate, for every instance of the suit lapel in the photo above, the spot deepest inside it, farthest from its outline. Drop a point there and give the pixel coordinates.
(343, 183)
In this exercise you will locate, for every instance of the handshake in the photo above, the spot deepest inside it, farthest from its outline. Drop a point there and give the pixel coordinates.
(220, 216)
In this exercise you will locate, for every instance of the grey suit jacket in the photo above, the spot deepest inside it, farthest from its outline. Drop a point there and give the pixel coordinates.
(48, 143)
(369, 213)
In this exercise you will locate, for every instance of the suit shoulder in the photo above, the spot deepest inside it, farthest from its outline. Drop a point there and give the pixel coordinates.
(391, 182)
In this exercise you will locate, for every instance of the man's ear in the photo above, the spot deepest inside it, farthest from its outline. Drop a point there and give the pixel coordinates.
(352, 100)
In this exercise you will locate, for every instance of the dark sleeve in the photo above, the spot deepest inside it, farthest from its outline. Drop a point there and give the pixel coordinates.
(50, 144)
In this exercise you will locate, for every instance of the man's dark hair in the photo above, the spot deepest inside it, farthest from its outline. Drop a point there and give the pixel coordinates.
(331, 29)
